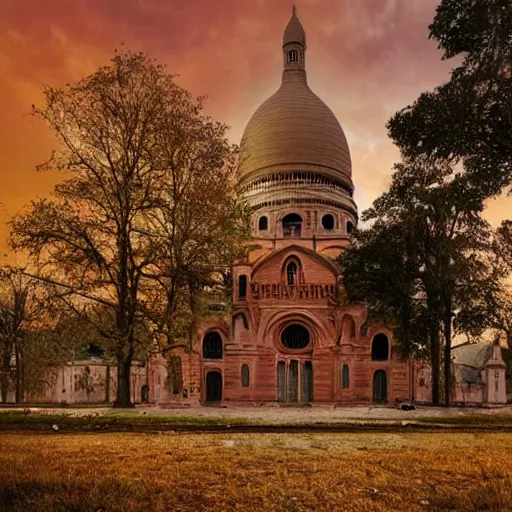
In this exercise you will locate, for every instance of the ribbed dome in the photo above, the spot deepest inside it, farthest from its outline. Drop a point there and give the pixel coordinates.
(294, 128)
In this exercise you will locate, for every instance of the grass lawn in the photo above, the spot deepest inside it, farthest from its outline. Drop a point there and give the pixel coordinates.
(255, 472)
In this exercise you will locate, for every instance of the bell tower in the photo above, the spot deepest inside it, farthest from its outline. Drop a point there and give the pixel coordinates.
(294, 46)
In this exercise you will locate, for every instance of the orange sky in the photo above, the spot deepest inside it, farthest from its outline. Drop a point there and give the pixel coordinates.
(366, 59)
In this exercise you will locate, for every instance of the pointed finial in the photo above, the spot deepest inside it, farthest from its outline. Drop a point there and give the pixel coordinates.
(294, 9)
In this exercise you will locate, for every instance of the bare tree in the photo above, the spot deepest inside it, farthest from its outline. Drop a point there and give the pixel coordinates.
(124, 136)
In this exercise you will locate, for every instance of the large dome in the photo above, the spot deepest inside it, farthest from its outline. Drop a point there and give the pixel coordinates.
(295, 130)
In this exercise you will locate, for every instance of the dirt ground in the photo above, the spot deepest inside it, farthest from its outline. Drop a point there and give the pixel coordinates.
(282, 415)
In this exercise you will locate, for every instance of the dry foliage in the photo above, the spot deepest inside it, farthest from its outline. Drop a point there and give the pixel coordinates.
(191, 472)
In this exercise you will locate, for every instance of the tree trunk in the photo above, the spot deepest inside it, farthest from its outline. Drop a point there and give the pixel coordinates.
(6, 370)
(434, 361)
(435, 345)
(5, 386)
(19, 376)
(124, 365)
(447, 352)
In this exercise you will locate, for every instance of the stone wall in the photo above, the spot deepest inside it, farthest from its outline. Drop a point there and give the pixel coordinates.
(88, 382)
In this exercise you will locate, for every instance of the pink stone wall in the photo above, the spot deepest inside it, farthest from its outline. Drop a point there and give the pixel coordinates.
(87, 382)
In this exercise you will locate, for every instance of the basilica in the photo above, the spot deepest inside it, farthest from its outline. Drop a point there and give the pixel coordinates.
(290, 338)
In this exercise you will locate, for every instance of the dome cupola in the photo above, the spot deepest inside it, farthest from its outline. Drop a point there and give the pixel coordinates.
(293, 149)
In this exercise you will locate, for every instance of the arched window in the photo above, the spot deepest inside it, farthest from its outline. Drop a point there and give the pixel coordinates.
(380, 348)
(212, 345)
(350, 227)
(349, 328)
(292, 225)
(295, 336)
(345, 377)
(291, 273)
(293, 56)
(245, 376)
(263, 223)
(352, 329)
(242, 287)
(328, 222)
(307, 382)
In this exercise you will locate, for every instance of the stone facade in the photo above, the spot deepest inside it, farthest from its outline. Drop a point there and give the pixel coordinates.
(290, 337)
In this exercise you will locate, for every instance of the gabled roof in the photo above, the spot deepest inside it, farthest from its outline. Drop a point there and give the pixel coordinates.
(324, 260)
(475, 355)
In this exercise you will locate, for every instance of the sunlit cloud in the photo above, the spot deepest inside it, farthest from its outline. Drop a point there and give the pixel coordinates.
(366, 59)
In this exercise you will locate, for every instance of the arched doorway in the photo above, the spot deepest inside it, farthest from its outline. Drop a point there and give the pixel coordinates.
(380, 386)
(213, 386)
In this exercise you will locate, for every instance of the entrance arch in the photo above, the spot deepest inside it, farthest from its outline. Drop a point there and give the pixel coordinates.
(380, 386)
(213, 386)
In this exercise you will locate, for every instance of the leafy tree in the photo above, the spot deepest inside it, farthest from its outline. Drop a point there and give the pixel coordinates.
(197, 228)
(469, 118)
(379, 268)
(422, 256)
(29, 351)
(126, 133)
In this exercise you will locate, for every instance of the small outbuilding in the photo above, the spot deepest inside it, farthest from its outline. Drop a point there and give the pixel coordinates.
(479, 374)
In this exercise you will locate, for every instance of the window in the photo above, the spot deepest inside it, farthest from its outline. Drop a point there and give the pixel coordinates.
(328, 222)
(307, 382)
(281, 381)
(212, 346)
(350, 227)
(293, 56)
(380, 348)
(174, 374)
(345, 379)
(349, 328)
(263, 224)
(245, 376)
(295, 336)
(292, 225)
(242, 287)
(291, 273)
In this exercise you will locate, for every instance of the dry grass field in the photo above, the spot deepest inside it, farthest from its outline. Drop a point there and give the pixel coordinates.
(255, 472)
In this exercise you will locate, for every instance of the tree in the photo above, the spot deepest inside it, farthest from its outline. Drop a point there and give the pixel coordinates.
(469, 118)
(198, 228)
(117, 129)
(379, 269)
(29, 350)
(425, 254)
(467, 121)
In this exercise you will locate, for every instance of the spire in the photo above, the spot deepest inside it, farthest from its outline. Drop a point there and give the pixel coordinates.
(294, 46)
(294, 32)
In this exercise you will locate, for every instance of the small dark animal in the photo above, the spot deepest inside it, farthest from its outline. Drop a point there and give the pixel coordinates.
(407, 407)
